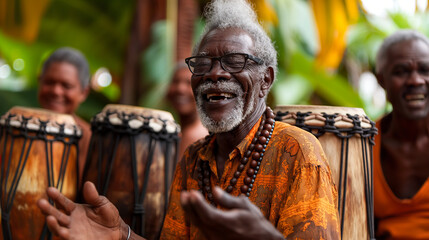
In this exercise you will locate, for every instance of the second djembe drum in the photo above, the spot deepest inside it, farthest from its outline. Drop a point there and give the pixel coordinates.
(347, 137)
(38, 149)
(131, 160)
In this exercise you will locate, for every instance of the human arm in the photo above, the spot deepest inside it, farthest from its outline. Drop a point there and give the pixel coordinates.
(240, 220)
(98, 219)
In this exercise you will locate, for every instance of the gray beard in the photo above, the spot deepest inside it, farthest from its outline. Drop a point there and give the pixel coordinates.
(234, 117)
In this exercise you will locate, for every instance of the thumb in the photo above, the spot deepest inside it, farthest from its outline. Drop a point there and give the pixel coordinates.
(228, 201)
(91, 196)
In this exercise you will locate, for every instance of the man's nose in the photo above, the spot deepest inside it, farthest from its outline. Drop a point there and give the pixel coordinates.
(416, 79)
(57, 89)
(217, 73)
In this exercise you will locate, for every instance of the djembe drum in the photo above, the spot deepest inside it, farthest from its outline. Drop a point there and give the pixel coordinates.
(346, 136)
(131, 160)
(38, 149)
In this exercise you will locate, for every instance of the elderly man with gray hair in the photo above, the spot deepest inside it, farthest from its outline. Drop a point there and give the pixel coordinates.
(401, 169)
(252, 177)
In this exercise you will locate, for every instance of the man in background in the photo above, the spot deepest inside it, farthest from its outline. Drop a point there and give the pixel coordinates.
(63, 86)
(182, 99)
(401, 162)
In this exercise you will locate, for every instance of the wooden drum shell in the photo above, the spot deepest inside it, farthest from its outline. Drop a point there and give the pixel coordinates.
(112, 144)
(355, 191)
(26, 219)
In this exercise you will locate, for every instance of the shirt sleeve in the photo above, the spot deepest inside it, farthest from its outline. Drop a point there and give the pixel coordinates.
(309, 210)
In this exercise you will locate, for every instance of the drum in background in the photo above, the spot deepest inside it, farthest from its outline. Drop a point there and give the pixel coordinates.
(346, 135)
(131, 161)
(38, 148)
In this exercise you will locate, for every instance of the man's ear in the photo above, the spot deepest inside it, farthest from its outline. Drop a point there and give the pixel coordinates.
(267, 81)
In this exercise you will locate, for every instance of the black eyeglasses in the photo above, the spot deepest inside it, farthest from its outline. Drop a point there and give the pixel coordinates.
(232, 63)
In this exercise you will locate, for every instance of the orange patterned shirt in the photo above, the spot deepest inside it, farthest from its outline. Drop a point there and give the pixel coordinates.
(293, 189)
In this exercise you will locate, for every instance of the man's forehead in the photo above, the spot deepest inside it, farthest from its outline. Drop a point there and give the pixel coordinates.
(230, 40)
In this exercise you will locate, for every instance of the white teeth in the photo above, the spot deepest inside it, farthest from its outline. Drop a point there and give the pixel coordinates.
(411, 97)
(213, 97)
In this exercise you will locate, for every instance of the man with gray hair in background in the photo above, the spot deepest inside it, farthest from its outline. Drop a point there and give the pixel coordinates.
(63, 86)
(401, 167)
(252, 177)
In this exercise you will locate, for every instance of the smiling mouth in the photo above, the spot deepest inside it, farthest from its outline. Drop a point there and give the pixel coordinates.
(216, 97)
(415, 97)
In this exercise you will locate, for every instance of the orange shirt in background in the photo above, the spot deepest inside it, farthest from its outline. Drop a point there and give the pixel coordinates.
(398, 218)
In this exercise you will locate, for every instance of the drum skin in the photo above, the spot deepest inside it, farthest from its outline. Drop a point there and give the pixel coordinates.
(26, 219)
(354, 207)
(111, 143)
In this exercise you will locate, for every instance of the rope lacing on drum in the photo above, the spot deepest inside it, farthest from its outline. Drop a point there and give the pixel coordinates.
(100, 124)
(366, 134)
(29, 135)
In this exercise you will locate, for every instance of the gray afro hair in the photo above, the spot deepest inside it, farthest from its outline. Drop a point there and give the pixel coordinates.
(223, 14)
(73, 57)
(397, 37)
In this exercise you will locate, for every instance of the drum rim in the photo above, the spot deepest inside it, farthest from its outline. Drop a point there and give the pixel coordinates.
(135, 118)
(37, 119)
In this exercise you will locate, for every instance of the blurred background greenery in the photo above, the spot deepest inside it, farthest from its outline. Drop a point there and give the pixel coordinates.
(326, 47)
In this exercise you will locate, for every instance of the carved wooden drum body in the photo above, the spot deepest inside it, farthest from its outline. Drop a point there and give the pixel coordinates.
(131, 160)
(38, 148)
(346, 136)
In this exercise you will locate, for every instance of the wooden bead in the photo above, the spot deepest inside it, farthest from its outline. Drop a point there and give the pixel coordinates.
(259, 147)
(251, 147)
(248, 152)
(256, 155)
(229, 189)
(240, 167)
(244, 189)
(233, 181)
(207, 189)
(270, 121)
(265, 133)
(253, 164)
(250, 172)
(237, 174)
(247, 180)
(206, 181)
(267, 127)
(244, 160)
(262, 140)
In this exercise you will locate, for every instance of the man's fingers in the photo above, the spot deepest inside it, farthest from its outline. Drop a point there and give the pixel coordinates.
(60, 200)
(227, 201)
(91, 195)
(201, 207)
(51, 211)
(187, 205)
(56, 229)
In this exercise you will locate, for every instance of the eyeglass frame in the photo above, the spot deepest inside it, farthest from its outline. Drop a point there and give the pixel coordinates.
(247, 56)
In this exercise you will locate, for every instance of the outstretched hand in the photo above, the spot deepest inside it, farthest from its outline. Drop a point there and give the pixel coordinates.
(241, 220)
(98, 219)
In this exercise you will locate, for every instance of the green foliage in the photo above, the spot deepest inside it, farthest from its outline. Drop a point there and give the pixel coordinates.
(299, 79)
(157, 66)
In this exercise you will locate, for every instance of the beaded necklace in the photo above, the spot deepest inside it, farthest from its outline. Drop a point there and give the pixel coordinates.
(254, 155)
